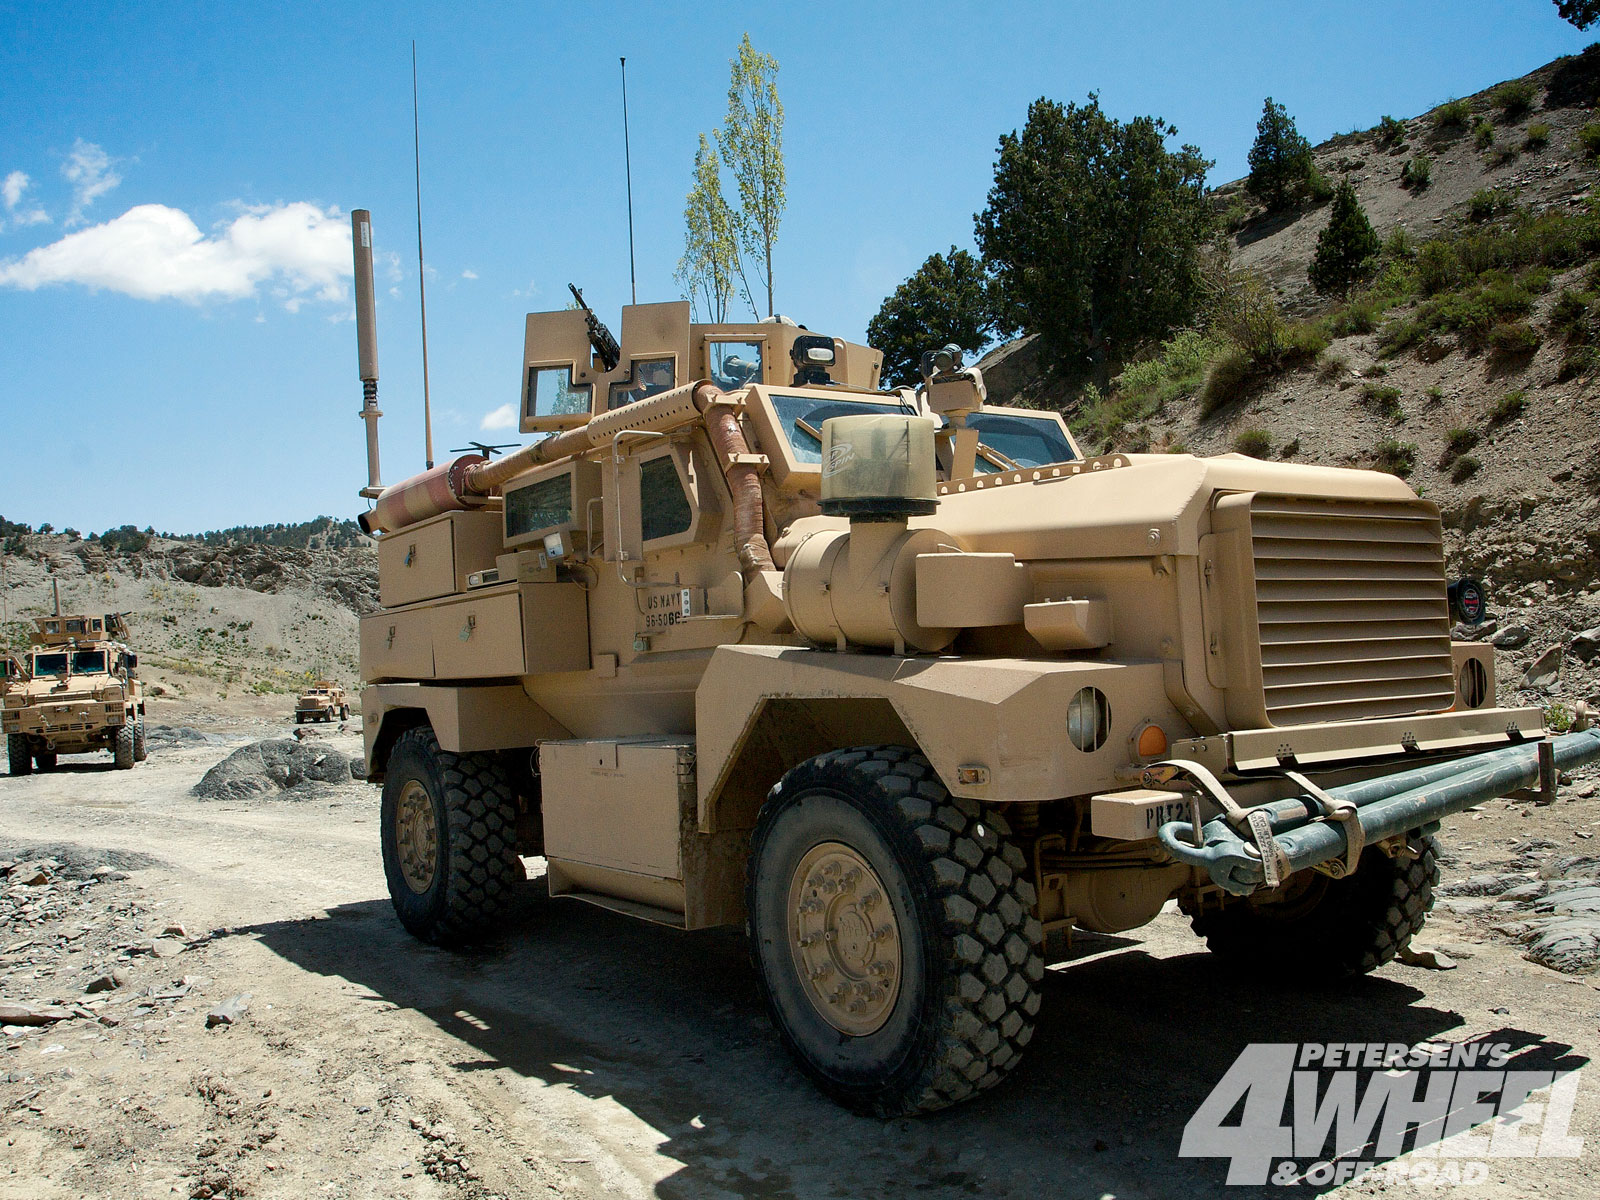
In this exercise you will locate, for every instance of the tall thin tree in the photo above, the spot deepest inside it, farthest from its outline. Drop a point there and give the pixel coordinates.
(710, 241)
(751, 144)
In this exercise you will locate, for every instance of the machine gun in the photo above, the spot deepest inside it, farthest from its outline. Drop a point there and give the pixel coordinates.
(605, 346)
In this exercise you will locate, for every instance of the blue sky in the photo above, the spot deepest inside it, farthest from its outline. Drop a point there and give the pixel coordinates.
(175, 184)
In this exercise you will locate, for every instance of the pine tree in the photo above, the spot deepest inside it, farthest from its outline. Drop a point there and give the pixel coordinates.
(1280, 160)
(1347, 249)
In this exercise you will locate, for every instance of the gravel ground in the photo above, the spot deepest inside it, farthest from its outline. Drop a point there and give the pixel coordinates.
(588, 1054)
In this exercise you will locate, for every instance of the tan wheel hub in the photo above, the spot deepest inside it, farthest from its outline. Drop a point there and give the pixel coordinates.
(844, 939)
(416, 834)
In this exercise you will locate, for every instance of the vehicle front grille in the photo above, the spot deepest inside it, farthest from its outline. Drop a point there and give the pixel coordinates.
(1351, 608)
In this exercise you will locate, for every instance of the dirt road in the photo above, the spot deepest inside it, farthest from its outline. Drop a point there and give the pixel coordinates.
(587, 1054)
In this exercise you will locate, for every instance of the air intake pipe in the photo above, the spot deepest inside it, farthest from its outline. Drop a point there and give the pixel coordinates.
(859, 587)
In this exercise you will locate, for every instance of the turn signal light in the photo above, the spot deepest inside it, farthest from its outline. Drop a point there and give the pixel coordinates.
(1152, 742)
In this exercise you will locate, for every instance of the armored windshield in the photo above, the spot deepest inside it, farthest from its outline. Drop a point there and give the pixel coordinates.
(802, 418)
(88, 662)
(1025, 441)
(49, 664)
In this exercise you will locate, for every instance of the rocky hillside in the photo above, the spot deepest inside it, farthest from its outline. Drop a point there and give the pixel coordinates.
(1468, 368)
(205, 618)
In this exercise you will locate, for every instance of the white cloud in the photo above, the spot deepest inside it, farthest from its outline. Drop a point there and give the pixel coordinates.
(153, 252)
(469, 273)
(92, 173)
(12, 188)
(504, 417)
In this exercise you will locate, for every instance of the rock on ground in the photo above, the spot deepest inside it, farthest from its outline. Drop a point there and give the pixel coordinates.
(272, 766)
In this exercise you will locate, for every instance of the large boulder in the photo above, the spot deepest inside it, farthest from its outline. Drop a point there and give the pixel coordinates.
(268, 768)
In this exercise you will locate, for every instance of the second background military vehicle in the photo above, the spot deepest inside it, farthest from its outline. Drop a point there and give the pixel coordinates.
(322, 701)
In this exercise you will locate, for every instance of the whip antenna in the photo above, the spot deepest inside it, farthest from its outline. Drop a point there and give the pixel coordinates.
(422, 280)
(627, 161)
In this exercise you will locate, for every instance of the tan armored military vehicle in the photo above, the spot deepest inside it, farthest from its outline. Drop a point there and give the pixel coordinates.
(76, 691)
(901, 682)
(322, 701)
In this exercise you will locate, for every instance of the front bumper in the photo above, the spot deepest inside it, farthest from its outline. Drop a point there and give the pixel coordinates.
(1347, 742)
(1246, 849)
(74, 718)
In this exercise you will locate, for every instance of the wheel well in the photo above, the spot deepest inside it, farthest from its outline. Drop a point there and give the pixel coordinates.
(391, 725)
(786, 732)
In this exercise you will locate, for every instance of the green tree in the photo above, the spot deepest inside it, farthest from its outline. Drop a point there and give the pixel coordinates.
(1093, 233)
(1582, 13)
(751, 144)
(710, 241)
(944, 301)
(1347, 247)
(1280, 160)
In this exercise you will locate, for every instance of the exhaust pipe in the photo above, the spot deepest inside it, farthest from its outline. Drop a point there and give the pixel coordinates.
(1386, 807)
(367, 345)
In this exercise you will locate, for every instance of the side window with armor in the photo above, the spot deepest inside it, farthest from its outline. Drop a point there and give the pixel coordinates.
(734, 364)
(664, 509)
(650, 377)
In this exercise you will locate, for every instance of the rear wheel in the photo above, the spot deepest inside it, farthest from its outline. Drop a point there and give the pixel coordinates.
(19, 757)
(1323, 928)
(141, 751)
(449, 840)
(893, 932)
(122, 749)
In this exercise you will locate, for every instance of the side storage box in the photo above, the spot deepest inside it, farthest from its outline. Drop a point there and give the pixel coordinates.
(479, 636)
(511, 629)
(396, 645)
(615, 814)
(434, 557)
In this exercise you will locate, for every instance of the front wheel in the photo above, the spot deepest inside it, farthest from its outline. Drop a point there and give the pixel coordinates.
(45, 760)
(893, 932)
(449, 840)
(19, 757)
(122, 748)
(141, 750)
(1323, 929)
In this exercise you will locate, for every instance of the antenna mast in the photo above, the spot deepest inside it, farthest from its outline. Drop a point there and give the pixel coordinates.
(627, 160)
(422, 280)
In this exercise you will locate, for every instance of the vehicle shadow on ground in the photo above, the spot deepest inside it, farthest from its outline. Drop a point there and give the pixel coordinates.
(76, 766)
(672, 1027)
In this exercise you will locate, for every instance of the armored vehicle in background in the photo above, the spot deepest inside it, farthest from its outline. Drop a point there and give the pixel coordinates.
(322, 701)
(77, 691)
(901, 682)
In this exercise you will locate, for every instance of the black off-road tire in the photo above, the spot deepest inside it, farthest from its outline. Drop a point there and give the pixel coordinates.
(44, 760)
(299, 718)
(19, 758)
(344, 713)
(122, 748)
(970, 942)
(1337, 928)
(476, 871)
(141, 749)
